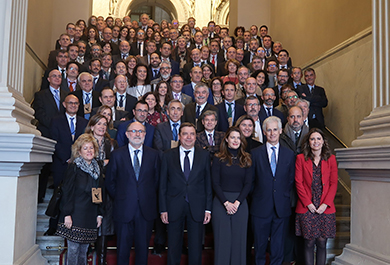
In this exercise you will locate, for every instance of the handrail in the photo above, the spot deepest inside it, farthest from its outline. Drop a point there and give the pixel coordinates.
(35, 56)
(335, 137)
(342, 182)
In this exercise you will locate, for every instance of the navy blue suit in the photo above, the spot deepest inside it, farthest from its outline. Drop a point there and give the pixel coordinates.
(271, 205)
(121, 137)
(135, 201)
(318, 101)
(223, 123)
(60, 131)
(175, 67)
(189, 90)
(263, 115)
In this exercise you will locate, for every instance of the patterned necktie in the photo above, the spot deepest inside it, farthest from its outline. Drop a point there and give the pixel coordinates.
(176, 95)
(273, 160)
(197, 111)
(187, 168)
(72, 129)
(174, 131)
(87, 98)
(57, 98)
(211, 139)
(296, 138)
(137, 166)
(230, 110)
(121, 101)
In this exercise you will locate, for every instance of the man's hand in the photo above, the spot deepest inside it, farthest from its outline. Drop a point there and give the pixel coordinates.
(207, 218)
(164, 217)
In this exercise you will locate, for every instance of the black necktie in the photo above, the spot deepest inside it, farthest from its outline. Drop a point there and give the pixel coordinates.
(187, 168)
(269, 112)
(197, 111)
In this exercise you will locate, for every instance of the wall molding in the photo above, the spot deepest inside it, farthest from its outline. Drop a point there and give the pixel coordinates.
(345, 44)
(35, 57)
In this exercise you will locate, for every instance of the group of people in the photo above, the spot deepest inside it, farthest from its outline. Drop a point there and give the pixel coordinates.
(166, 129)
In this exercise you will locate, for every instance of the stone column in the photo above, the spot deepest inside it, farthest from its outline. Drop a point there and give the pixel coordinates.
(368, 161)
(22, 150)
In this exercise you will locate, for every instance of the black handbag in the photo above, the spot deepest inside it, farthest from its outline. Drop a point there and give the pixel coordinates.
(53, 209)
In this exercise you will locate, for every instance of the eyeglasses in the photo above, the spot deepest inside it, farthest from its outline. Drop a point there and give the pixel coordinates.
(165, 68)
(252, 104)
(95, 50)
(290, 97)
(141, 110)
(73, 68)
(141, 33)
(136, 131)
(177, 81)
(72, 103)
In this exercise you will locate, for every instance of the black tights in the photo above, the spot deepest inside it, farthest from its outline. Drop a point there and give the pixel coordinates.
(320, 253)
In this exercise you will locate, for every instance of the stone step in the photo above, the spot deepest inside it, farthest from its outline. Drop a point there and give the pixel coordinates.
(342, 238)
(343, 210)
(42, 208)
(331, 254)
(42, 223)
(50, 242)
(52, 256)
(343, 224)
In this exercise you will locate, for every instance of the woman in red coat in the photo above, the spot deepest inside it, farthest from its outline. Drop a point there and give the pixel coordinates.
(316, 182)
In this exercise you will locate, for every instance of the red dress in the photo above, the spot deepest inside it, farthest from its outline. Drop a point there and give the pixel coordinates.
(156, 118)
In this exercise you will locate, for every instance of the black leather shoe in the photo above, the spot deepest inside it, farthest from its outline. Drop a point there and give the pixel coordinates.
(50, 232)
(158, 249)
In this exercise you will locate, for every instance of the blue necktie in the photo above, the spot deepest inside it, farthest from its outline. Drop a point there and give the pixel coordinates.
(174, 131)
(197, 111)
(273, 160)
(87, 101)
(57, 98)
(187, 168)
(72, 129)
(137, 166)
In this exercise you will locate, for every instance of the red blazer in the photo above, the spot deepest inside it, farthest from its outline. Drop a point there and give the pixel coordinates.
(304, 178)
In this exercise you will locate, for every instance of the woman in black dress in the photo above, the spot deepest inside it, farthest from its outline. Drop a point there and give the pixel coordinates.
(247, 126)
(232, 180)
(97, 126)
(80, 207)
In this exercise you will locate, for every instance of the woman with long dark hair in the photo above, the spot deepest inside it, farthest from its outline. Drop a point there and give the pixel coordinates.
(232, 180)
(316, 182)
(139, 82)
(155, 114)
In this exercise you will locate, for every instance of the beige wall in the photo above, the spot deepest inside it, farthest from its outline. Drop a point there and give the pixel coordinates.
(347, 79)
(248, 12)
(309, 28)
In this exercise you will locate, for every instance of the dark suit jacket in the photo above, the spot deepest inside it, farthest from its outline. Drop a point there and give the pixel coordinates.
(65, 87)
(46, 109)
(60, 131)
(45, 83)
(134, 49)
(175, 55)
(121, 134)
(318, 100)
(277, 113)
(186, 72)
(175, 66)
(190, 114)
(221, 71)
(163, 137)
(203, 142)
(174, 187)
(272, 193)
(115, 47)
(95, 101)
(128, 193)
(100, 83)
(223, 123)
(189, 90)
(130, 104)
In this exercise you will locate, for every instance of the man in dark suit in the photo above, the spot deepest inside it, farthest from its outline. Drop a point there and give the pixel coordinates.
(98, 82)
(166, 137)
(194, 110)
(316, 96)
(64, 42)
(166, 133)
(185, 195)
(140, 113)
(295, 77)
(177, 86)
(132, 180)
(62, 59)
(228, 111)
(124, 48)
(196, 77)
(88, 99)
(124, 101)
(107, 38)
(107, 97)
(274, 169)
(267, 109)
(282, 76)
(48, 104)
(210, 139)
(195, 56)
(138, 47)
(166, 50)
(69, 84)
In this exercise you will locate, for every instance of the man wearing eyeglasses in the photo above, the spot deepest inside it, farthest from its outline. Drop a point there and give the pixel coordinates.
(177, 83)
(70, 31)
(267, 108)
(132, 178)
(140, 113)
(282, 76)
(138, 47)
(70, 84)
(164, 74)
